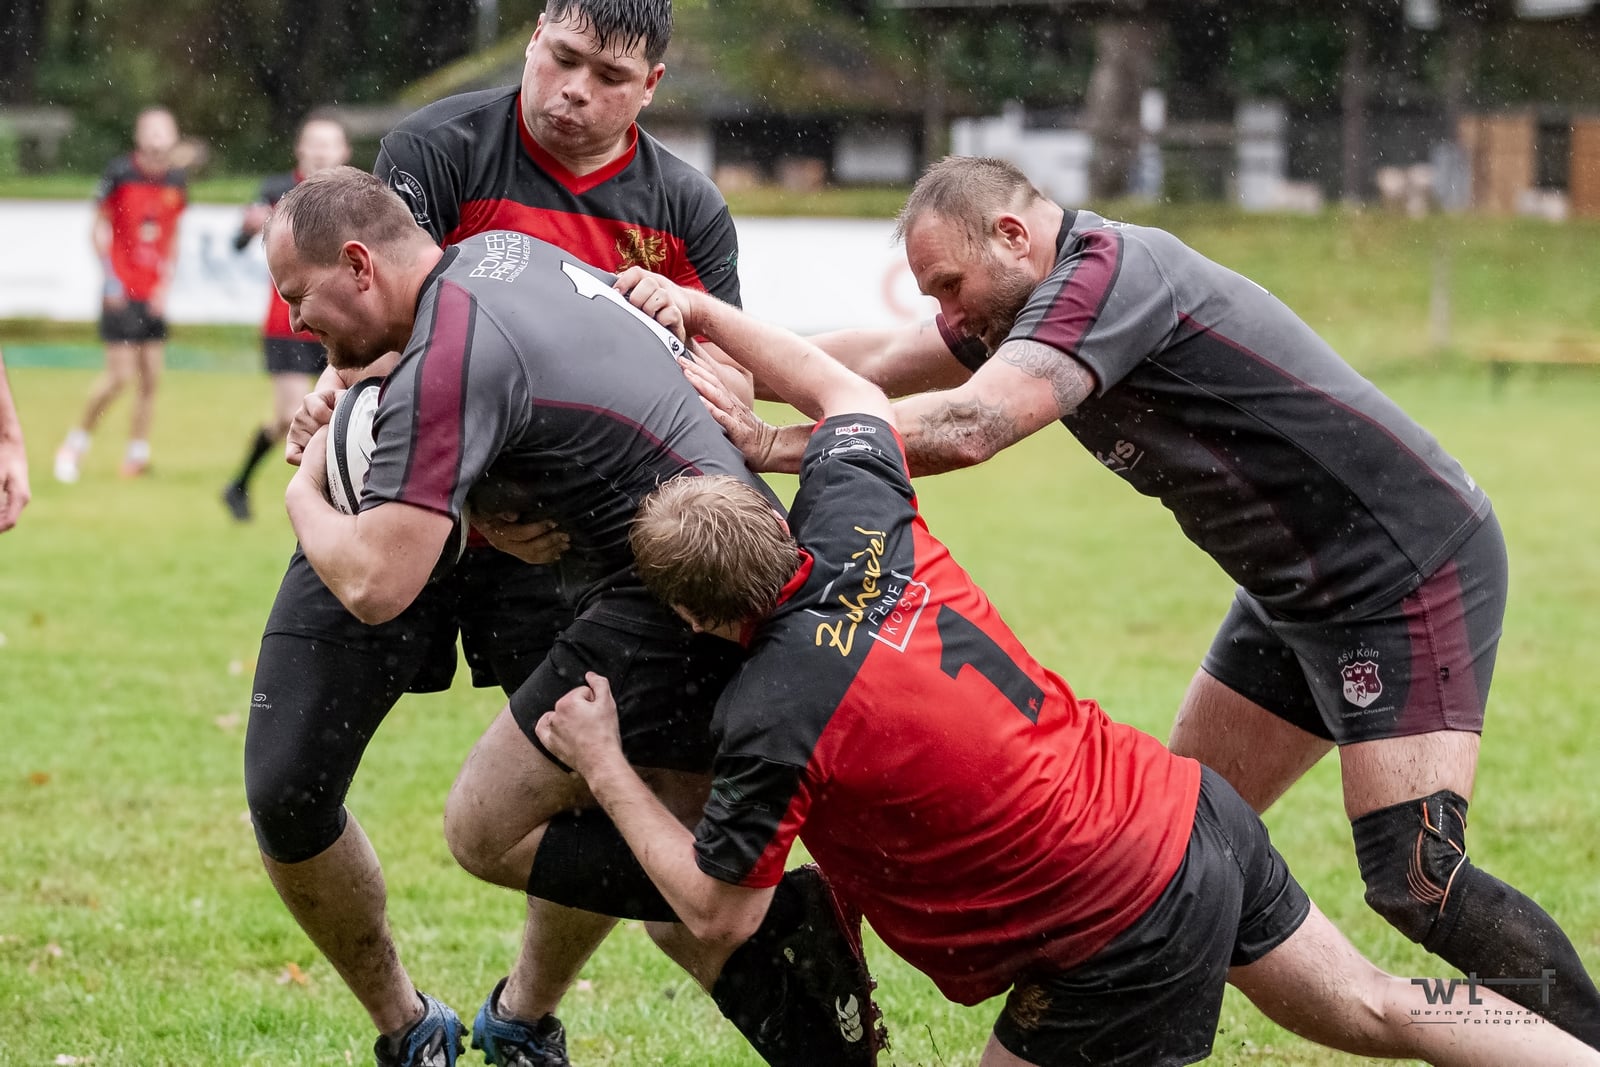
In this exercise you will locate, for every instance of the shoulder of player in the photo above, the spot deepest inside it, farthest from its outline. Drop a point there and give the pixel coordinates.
(456, 115)
(685, 180)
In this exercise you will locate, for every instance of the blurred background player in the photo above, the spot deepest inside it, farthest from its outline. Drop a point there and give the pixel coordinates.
(293, 359)
(139, 198)
(13, 457)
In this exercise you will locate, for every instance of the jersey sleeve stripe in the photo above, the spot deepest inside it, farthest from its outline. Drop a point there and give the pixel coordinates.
(430, 482)
(1083, 292)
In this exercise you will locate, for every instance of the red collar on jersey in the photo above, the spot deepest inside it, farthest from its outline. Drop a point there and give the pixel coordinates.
(575, 183)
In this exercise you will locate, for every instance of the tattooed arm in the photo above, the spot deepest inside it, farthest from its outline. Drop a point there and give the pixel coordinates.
(1024, 386)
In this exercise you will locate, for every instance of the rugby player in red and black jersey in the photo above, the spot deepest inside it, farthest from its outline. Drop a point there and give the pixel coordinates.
(1371, 572)
(293, 360)
(998, 831)
(560, 156)
(139, 199)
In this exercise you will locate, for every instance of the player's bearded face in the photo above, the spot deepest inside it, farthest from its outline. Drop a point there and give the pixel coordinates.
(994, 311)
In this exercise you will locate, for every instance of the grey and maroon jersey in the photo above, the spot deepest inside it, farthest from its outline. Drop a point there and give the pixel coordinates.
(529, 383)
(1307, 485)
(467, 164)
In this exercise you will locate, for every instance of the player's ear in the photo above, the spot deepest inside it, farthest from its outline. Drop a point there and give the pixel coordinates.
(651, 80)
(1012, 232)
(357, 258)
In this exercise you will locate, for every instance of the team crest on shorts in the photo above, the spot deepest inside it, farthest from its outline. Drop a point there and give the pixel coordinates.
(1361, 683)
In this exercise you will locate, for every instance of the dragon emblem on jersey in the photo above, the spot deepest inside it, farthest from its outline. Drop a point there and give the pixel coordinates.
(1361, 683)
(634, 249)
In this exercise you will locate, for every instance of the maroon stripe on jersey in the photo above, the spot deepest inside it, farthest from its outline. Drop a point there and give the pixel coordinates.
(577, 183)
(1436, 624)
(1083, 293)
(622, 420)
(1279, 371)
(604, 243)
(441, 391)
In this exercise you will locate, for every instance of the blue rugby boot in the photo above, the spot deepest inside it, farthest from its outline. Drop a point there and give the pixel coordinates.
(514, 1043)
(433, 1040)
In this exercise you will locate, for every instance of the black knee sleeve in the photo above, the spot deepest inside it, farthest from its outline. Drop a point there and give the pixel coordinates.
(583, 862)
(1410, 855)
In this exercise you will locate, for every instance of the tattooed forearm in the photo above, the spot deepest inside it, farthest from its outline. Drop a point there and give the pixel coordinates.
(1069, 380)
(958, 434)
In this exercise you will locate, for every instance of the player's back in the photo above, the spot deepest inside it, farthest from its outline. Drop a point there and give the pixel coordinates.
(564, 401)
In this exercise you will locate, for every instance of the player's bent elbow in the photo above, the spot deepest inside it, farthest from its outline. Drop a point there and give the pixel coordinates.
(373, 605)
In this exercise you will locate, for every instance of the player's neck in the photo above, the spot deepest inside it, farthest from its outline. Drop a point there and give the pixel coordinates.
(584, 165)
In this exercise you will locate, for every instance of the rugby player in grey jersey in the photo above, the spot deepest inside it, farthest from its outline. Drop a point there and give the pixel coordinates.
(1371, 571)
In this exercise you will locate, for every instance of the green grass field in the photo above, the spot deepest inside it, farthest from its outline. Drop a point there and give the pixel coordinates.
(136, 925)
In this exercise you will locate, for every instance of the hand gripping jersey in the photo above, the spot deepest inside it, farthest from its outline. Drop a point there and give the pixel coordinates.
(143, 210)
(531, 382)
(983, 818)
(468, 164)
(276, 326)
(1309, 487)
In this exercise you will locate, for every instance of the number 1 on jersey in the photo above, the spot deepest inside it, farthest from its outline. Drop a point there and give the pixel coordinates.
(963, 644)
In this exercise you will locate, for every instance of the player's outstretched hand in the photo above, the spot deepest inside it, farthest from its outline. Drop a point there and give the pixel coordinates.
(13, 482)
(531, 542)
(662, 299)
(582, 730)
(314, 412)
(749, 433)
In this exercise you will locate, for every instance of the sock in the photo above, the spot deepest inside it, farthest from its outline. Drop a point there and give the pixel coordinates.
(1492, 930)
(138, 451)
(260, 445)
(78, 440)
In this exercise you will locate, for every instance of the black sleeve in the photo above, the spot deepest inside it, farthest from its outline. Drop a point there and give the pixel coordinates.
(427, 179)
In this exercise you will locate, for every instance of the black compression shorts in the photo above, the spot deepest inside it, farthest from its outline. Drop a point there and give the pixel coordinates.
(324, 681)
(1151, 997)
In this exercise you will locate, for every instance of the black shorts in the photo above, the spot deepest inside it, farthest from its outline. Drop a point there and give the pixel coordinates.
(289, 355)
(665, 677)
(1419, 665)
(507, 613)
(1151, 997)
(131, 323)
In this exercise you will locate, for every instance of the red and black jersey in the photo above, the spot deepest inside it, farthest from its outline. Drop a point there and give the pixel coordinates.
(143, 210)
(276, 327)
(467, 164)
(984, 818)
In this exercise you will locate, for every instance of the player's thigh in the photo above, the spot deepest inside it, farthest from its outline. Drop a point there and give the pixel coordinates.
(315, 705)
(1248, 712)
(1316, 984)
(665, 678)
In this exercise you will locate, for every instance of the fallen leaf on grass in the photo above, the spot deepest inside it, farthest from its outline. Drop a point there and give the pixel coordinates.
(229, 721)
(64, 1060)
(585, 986)
(52, 951)
(292, 973)
(39, 778)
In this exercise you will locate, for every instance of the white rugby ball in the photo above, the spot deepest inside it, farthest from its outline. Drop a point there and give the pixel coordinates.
(350, 444)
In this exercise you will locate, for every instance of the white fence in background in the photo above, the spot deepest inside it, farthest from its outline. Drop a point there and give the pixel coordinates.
(807, 274)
